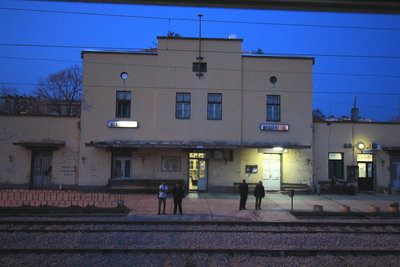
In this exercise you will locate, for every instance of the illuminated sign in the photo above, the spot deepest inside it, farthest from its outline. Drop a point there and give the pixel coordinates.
(274, 127)
(122, 124)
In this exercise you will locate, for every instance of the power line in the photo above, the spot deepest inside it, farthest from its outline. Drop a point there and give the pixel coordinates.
(195, 20)
(111, 49)
(225, 89)
(71, 46)
(227, 69)
(352, 104)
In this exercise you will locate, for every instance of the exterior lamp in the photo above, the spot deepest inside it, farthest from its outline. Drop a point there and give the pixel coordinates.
(277, 148)
(360, 145)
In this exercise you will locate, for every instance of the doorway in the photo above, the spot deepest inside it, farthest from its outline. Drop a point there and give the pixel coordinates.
(396, 175)
(41, 169)
(198, 172)
(365, 172)
(272, 172)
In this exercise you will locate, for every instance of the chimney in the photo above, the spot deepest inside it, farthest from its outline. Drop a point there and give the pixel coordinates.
(354, 111)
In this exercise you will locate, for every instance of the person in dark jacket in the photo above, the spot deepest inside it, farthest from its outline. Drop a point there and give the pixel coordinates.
(178, 193)
(259, 193)
(243, 190)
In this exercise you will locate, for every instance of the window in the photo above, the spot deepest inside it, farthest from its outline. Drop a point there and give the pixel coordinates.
(214, 107)
(182, 108)
(335, 165)
(199, 67)
(273, 108)
(121, 167)
(123, 105)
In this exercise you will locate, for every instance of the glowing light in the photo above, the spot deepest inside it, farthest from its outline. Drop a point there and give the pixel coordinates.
(360, 145)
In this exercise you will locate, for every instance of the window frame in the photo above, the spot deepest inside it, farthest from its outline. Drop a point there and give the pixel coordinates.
(121, 156)
(273, 105)
(336, 163)
(199, 67)
(213, 103)
(180, 115)
(122, 105)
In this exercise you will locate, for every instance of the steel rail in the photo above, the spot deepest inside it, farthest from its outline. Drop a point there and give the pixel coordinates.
(200, 223)
(294, 231)
(253, 252)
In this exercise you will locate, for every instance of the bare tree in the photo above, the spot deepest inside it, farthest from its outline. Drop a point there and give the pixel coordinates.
(318, 115)
(62, 90)
(9, 91)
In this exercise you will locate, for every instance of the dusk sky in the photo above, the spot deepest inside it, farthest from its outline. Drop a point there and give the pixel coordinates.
(355, 54)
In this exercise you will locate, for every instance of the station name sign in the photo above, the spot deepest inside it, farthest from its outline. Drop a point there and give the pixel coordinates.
(122, 124)
(274, 127)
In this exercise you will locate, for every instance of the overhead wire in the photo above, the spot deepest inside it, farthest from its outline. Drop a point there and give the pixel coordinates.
(114, 49)
(155, 87)
(210, 68)
(205, 20)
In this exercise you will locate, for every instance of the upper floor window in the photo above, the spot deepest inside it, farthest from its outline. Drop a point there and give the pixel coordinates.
(214, 107)
(182, 106)
(199, 67)
(123, 105)
(273, 108)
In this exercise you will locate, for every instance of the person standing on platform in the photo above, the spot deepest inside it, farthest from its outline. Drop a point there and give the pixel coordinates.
(243, 190)
(162, 197)
(259, 193)
(178, 193)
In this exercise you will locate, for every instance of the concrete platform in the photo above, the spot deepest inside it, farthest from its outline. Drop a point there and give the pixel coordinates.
(225, 207)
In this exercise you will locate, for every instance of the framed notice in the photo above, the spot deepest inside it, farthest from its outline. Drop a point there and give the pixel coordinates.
(171, 164)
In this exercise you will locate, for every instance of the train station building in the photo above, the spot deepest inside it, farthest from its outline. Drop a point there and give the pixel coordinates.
(200, 111)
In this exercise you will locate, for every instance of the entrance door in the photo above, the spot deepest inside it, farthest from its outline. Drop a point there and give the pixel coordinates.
(365, 176)
(272, 172)
(197, 173)
(41, 169)
(396, 175)
(365, 172)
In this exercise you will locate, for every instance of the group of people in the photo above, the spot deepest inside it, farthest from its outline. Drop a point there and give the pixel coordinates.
(178, 193)
(259, 193)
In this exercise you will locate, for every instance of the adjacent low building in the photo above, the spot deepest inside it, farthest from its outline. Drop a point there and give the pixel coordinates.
(196, 110)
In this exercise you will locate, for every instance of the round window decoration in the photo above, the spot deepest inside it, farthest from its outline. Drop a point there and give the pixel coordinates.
(124, 75)
(273, 79)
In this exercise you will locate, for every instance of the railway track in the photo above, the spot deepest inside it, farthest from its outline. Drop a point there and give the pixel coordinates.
(109, 226)
(89, 242)
(249, 252)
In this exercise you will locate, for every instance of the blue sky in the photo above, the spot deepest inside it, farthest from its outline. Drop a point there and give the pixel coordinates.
(356, 54)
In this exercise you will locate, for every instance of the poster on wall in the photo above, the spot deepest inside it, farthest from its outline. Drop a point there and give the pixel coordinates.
(171, 164)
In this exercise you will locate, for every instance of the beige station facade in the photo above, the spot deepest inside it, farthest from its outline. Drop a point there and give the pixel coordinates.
(197, 110)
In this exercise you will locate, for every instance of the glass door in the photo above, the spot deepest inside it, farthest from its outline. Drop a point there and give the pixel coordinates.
(198, 179)
(121, 167)
(365, 172)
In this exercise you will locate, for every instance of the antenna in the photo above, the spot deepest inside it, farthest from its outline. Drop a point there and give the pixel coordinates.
(200, 57)
(355, 102)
